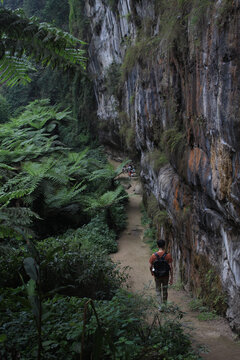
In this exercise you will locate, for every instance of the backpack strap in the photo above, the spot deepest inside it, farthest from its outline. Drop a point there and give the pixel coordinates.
(164, 255)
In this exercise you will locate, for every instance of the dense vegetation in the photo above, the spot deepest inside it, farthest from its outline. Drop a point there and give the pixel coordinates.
(62, 209)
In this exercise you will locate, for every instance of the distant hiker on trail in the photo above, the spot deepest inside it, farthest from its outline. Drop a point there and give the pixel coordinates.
(160, 267)
(129, 170)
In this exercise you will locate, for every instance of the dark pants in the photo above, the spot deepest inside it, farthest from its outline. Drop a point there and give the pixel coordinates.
(162, 289)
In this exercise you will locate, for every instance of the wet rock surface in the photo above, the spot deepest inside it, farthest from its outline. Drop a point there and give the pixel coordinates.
(181, 100)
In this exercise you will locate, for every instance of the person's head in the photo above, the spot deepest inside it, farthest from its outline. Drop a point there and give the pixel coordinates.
(161, 244)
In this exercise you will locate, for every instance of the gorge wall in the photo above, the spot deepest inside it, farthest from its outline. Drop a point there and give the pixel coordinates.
(166, 79)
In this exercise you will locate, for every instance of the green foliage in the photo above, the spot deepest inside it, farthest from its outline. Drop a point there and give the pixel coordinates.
(118, 216)
(97, 234)
(178, 285)
(137, 53)
(153, 210)
(157, 159)
(108, 199)
(175, 16)
(14, 70)
(26, 37)
(13, 4)
(225, 12)
(150, 237)
(112, 79)
(74, 263)
(145, 220)
(4, 109)
(75, 327)
(82, 270)
(154, 218)
(173, 139)
(113, 4)
(205, 313)
(49, 178)
(210, 289)
(78, 23)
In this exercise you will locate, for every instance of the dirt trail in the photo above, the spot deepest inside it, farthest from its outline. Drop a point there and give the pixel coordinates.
(133, 252)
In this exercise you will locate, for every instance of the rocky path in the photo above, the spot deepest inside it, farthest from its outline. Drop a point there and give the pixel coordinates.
(133, 252)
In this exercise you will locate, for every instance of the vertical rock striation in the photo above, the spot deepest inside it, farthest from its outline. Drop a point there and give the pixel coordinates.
(167, 86)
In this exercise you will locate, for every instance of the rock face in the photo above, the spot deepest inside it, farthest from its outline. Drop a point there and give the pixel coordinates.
(167, 87)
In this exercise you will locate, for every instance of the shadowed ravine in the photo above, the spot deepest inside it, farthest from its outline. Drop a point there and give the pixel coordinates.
(134, 252)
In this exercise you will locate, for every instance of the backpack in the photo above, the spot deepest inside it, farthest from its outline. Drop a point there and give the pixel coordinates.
(160, 266)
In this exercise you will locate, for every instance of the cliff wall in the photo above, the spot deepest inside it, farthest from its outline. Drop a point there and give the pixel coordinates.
(167, 86)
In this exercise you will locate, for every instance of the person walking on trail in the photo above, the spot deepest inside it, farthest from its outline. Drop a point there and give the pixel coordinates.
(161, 267)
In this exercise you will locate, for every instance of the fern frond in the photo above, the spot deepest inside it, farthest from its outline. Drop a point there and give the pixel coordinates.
(65, 196)
(107, 199)
(119, 169)
(105, 173)
(17, 216)
(7, 167)
(47, 44)
(16, 194)
(75, 157)
(14, 70)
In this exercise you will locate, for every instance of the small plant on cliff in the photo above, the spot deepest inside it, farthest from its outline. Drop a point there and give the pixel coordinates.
(154, 217)
(113, 4)
(157, 158)
(139, 52)
(210, 289)
(225, 12)
(126, 131)
(173, 139)
(112, 79)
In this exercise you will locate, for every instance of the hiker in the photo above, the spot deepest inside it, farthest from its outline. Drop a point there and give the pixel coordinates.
(129, 170)
(160, 267)
(133, 172)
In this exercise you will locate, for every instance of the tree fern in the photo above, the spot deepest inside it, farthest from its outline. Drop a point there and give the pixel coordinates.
(66, 196)
(103, 174)
(22, 37)
(39, 172)
(16, 220)
(108, 172)
(14, 70)
(108, 199)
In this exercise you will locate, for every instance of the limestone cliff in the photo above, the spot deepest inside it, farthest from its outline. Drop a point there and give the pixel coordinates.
(167, 87)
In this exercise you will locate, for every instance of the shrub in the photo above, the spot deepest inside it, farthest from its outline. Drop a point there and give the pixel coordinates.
(84, 271)
(75, 263)
(97, 234)
(173, 139)
(4, 110)
(112, 79)
(204, 312)
(157, 158)
(11, 265)
(119, 217)
(73, 327)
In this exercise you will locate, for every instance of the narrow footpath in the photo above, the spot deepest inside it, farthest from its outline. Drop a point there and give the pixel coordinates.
(134, 252)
